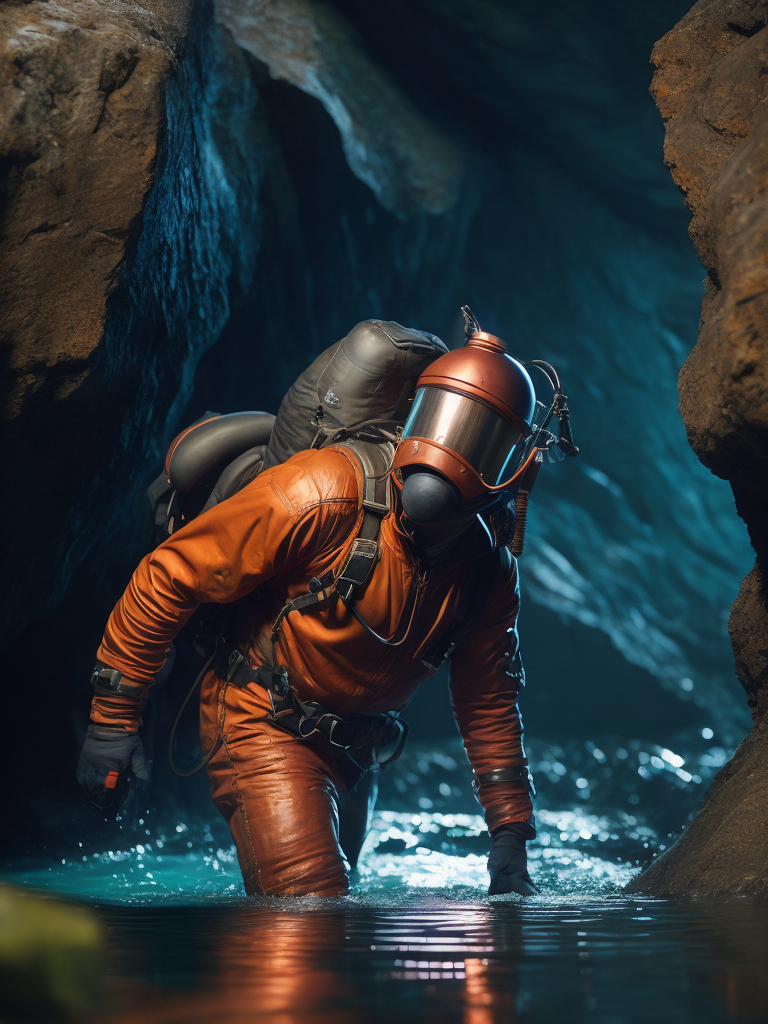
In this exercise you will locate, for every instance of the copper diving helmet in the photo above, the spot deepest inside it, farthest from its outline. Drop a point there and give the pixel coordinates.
(472, 412)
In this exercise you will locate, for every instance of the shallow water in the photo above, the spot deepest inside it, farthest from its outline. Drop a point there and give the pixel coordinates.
(608, 960)
(417, 939)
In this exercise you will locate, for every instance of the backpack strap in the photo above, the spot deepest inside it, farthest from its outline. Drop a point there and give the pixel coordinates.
(374, 460)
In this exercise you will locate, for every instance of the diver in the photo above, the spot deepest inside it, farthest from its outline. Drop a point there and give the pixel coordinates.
(348, 573)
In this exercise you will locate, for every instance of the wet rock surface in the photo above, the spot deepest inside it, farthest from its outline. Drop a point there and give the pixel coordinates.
(130, 171)
(82, 113)
(391, 146)
(710, 87)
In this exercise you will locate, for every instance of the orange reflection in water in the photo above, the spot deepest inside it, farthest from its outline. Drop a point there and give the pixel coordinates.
(483, 1002)
(273, 967)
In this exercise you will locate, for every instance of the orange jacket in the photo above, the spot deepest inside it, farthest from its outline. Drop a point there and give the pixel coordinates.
(297, 521)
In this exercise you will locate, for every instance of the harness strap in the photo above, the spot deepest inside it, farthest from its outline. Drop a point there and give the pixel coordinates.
(374, 459)
(367, 740)
(321, 590)
(510, 773)
(359, 567)
(374, 462)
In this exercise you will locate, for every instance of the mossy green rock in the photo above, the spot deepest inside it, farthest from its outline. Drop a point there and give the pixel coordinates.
(51, 956)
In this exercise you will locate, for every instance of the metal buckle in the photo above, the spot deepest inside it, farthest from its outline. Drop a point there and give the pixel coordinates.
(312, 718)
(106, 678)
(280, 684)
(378, 507)
(234, 662)
(334, 722)
(109, 682)
(511, 773)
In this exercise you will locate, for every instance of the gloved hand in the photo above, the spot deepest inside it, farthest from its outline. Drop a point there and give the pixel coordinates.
(508, 862)
(111, 758)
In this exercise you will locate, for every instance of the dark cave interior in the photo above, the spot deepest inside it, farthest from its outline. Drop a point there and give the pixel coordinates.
(196, 198)
(259, 245)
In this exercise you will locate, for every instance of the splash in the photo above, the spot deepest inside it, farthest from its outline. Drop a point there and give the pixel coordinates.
(404, 854)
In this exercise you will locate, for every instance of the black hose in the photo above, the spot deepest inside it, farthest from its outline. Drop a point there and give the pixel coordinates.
(183, 772)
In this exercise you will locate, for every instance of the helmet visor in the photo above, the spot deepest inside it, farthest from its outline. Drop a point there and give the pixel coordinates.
(463, 425)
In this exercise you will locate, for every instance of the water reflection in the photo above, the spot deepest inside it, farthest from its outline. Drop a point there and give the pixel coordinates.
(418, 939)
(257, 964)
(607, 961)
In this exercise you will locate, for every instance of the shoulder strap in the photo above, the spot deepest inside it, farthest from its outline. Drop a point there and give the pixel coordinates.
(375, 461)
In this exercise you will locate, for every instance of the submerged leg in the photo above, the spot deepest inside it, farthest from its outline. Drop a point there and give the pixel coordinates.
(281, 797)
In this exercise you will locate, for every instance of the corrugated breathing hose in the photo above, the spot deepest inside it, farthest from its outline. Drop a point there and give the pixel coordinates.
(521, 512)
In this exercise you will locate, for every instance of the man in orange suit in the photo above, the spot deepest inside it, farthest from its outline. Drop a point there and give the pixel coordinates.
(345, 661)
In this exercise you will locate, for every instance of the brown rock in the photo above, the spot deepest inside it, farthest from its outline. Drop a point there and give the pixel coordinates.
(748, 628)
(725, 849)
(711, 86)
(131, 168)
(80, 116)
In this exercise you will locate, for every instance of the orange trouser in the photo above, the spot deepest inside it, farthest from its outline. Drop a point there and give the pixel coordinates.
(283, 797)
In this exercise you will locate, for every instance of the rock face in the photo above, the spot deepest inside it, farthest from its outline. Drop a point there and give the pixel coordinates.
(408, 163)
(130, 170)
(79, 92)
(711, 86)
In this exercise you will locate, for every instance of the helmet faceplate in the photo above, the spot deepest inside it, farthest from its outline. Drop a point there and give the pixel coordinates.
(472, 408)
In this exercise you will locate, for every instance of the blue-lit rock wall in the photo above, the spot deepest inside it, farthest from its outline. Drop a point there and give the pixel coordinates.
(120, 264)
(133, 151)
(195, 254)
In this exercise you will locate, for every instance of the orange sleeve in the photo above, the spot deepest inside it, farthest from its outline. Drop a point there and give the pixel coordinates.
(484, 697)
(278, 522)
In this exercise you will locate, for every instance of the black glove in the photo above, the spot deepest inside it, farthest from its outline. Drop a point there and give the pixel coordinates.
(110, 760)
(508, 861)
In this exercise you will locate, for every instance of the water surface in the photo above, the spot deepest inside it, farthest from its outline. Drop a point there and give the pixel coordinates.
(417, 939)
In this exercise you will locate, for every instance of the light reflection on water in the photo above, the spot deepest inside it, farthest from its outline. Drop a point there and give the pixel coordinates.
(592, 845)
(417, 938)
(606, 960)
(424, 851)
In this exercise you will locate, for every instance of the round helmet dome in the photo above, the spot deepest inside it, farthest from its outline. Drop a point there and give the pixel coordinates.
(484, 370)
(473, 406)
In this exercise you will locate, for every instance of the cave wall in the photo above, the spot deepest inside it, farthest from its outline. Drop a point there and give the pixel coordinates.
(710, 85)
(132, 154)
(307, 165)
(131, 169)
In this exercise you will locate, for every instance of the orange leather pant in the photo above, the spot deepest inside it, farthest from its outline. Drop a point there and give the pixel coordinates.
(283, 797)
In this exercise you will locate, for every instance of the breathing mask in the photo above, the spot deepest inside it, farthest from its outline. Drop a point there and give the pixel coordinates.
(477, 435)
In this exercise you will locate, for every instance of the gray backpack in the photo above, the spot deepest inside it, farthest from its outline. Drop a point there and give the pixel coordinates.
(358, 392)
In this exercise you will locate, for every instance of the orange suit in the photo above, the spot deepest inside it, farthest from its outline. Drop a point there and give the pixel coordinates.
(296, 521)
